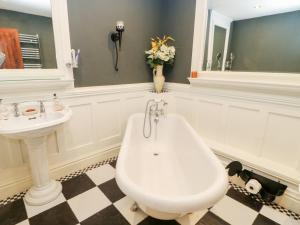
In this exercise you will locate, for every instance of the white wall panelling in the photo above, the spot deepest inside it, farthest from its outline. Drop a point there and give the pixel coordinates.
(260, 130)
(266, 129)
(97, 125)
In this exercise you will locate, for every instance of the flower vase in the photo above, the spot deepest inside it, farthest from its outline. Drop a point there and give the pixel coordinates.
(158, 78)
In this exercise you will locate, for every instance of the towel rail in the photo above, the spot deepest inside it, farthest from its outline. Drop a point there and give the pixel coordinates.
(31, 50)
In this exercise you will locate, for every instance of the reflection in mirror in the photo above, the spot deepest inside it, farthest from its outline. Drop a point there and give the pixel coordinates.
(218, 47)
(263, 36)
(26, 35)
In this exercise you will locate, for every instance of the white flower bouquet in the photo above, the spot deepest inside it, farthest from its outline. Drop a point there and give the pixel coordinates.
(161, 52)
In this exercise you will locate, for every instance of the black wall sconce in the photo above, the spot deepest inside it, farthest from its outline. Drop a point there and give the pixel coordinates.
(117, 37)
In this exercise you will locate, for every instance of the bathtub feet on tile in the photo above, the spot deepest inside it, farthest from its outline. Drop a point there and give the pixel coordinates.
(134, 207)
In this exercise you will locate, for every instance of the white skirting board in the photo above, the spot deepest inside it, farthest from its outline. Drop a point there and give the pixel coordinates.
(58, 171)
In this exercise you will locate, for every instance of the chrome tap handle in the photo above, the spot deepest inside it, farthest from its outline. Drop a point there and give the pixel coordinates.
(165, 109)
(16, 109)
(42, 107)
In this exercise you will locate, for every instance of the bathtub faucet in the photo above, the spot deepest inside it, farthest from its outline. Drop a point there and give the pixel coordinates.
(153, 109)
(156, 111)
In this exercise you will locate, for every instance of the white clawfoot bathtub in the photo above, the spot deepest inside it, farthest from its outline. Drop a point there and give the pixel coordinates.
(171, 175)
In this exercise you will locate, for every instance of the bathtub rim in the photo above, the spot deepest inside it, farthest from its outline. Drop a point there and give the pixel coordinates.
(178, 204)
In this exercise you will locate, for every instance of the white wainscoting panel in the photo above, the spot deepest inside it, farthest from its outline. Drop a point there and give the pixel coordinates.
(184, 106)
(260, 130)
(107, 116)
(244, 128)
(11, 153)
(79, 130)
(282, 139)
(210, 119)
(97, 125)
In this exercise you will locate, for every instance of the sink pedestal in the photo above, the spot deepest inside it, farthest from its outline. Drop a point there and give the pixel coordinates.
(34, 132)
(44, 189)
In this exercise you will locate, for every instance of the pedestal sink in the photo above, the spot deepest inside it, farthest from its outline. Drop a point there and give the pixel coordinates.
(34, 130)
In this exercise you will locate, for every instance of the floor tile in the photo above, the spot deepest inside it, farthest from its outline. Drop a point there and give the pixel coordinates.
(108, 216)
(77, 185)
(211, 219)
(233, 212)
(124, 207)
(113, 163)
(35, 210)
(153, 221)
(262, 220)
(58, 215)
(291, 221)
(112, 190)
(245, 199)
(102, 174)
(88, 203)
(25, 222)
(13, 213)
(191, 218)
(274, 215)
(89, 197)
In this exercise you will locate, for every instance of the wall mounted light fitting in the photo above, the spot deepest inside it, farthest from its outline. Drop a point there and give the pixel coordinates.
(117, 37)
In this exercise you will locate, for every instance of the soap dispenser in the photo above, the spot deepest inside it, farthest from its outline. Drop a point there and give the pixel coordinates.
(57, 106)
(4, 112)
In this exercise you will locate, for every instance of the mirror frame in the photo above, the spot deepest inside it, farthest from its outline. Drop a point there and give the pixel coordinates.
(62, 75)
(219, 20)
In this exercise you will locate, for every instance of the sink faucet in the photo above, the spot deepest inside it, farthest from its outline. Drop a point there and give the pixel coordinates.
(42, 107)
(16, 109)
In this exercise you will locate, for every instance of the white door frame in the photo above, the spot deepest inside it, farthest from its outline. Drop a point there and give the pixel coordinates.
(219, 20)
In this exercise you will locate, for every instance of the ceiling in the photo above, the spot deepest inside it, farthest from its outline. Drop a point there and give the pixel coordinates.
(36, 7)
(245, 9)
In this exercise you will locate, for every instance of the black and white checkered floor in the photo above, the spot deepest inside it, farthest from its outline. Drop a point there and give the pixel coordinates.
(92, 197)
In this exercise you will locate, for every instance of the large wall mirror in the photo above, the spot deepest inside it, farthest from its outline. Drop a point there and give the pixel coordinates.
(26, 35)
(253, 36)
(35, 48)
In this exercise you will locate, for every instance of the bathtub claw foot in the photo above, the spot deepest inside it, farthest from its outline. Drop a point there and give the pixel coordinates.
(134, 207)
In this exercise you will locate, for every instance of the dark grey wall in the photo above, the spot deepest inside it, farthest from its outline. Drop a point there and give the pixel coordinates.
(178, 21)
(90, 25)
(92, 21)
(32, 24)
(270, 43)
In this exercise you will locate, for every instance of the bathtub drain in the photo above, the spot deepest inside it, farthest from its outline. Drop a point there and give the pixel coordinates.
(155, 154)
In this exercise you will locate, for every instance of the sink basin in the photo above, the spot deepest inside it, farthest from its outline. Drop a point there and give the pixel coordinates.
(34, 130)
(33, 126)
